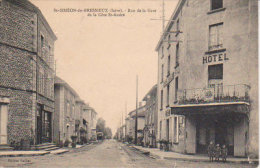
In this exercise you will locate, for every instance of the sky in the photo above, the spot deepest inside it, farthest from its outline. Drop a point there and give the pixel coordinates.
(100, 56)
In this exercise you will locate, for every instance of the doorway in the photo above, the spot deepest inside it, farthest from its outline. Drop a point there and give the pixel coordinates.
(44, 127)
(39, 124)
(167, 130)
(218, 129)
(3, 123)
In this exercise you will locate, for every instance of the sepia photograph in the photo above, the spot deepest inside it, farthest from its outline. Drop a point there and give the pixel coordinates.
(129, 83)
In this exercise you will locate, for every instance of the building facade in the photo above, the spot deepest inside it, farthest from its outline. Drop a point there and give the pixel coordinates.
(27, 74)
(66, 122)
(208, 77)
(80, 123)
(130, 124)
(90, 115)
(150, 129)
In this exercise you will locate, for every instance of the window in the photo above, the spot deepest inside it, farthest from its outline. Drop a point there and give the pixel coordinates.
(73, 111)
(49, 85)
(42, 41)
(169, 41)
(68, 109)
(50, 55)
(177, 55)
(169, 65)
(160, 129)
(162, 51)
(41, 80)
(216, 36)
(178, 25)
(169, 38)
(176, 88)
(216, 4)
(215, 71)
(161, 99)
(168, 95)
(162, 73)
(176, 130)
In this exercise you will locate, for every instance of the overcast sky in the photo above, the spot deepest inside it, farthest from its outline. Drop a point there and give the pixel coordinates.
(100, 56)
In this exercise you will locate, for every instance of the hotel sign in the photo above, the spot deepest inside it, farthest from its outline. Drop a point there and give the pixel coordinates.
(216, 57)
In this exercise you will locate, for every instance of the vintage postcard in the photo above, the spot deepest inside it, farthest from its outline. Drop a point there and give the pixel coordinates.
(129, 83)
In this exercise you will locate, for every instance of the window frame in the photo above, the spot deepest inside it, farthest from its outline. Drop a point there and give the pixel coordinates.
(176, 88)
(176, 129)
(169, 65)
(177, 55)
(42, 41)
(162, 73)
(161, 99)
(215, 66)
(168, 95)
(211, 5)
(218, 38)
(162, 52)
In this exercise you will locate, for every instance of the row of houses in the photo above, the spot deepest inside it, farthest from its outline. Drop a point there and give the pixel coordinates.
(207, 86)
(36, 106)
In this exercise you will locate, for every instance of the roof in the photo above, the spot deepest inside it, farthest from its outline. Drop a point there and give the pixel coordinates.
(170, 23)
(31, 7)
(150, 91)
(87, 107)
(59, 81)
(78, 100)
(140, 112)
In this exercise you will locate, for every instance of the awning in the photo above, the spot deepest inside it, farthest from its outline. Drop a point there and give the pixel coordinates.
(211, 108)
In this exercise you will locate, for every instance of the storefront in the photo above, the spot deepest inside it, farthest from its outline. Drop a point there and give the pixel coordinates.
(222, 123)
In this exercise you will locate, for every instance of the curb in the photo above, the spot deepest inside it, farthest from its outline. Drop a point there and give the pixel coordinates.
(206, 160)
(155, 156)
(59, 152)
(23, 155)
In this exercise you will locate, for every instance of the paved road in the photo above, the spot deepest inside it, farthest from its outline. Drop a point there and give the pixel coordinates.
(108, 154)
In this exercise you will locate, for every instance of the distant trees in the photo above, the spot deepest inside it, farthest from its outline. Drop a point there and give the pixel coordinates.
(101, 127)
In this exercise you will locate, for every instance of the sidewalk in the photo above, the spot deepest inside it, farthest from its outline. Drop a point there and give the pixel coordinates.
(22, 153)
(157, 153)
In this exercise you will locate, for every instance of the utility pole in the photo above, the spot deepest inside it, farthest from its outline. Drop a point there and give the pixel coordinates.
(136, 112)
(125, 120)
(163, 16)
(122, 126)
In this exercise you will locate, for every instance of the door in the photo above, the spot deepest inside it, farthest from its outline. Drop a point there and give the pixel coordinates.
(167, 130)
(39, 124)
(47, 133)
(3, 123)
(190, 144)
(224, 134)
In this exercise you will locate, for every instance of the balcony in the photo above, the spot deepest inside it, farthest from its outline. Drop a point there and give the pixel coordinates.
(215, 94)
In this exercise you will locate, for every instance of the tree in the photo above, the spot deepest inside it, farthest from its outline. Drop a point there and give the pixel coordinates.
(101, 123)
(108, 133)
(101, 127)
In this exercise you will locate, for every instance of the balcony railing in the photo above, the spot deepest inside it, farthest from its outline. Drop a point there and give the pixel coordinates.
(215, 94)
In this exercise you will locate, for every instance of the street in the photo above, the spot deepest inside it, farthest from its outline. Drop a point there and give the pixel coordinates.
(110, 153)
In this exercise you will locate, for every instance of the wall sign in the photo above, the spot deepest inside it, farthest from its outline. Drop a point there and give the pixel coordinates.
(218, 57)
(168, 80)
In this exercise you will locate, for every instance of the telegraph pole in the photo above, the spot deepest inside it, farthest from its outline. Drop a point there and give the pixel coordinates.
(163, 16)
(122, 127)
(136, 112)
